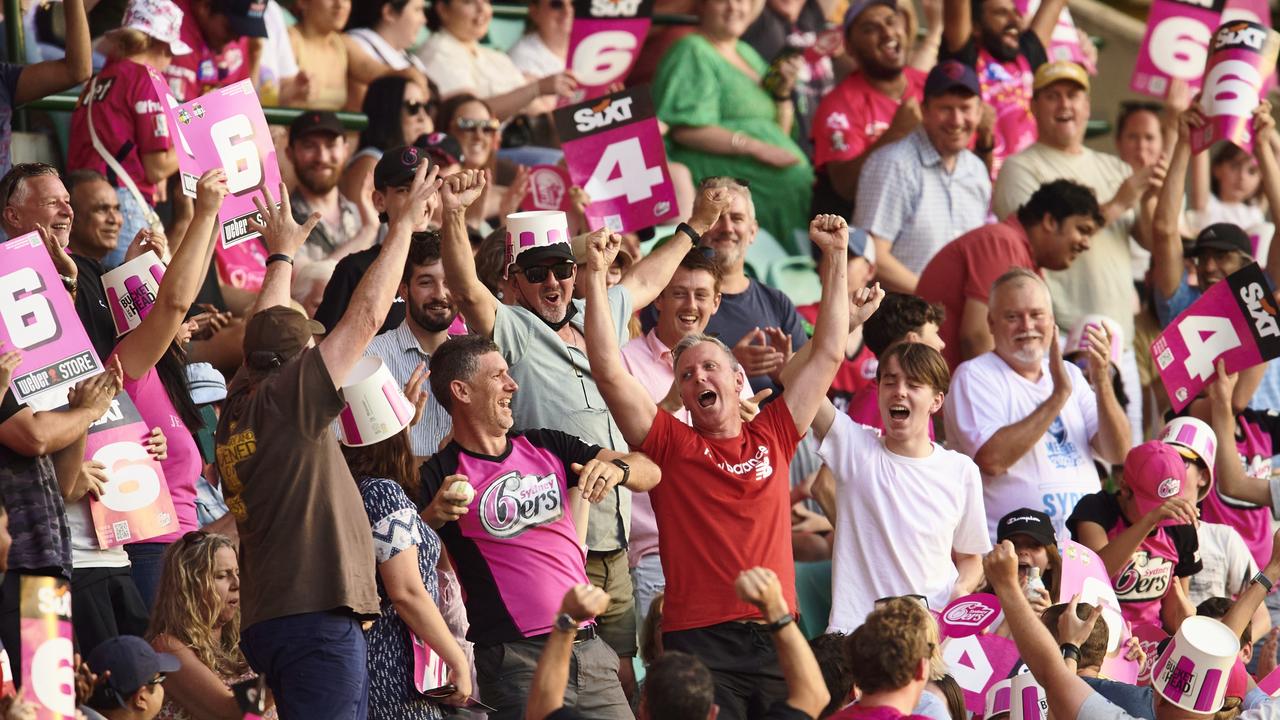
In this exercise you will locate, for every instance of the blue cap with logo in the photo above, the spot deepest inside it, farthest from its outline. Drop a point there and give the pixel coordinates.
(132, 663)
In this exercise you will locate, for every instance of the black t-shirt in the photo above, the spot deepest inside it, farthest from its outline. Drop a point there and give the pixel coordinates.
(768, 34)
(1029, 46)
(91, 305)
(337, 294)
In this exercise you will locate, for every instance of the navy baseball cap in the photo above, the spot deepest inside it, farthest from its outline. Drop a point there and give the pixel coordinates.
(1025, 521)
(1222, 236)
(132, 664)
(950, 75)
(315, 121)
(397, 166)
(247, 18)
(857, 7)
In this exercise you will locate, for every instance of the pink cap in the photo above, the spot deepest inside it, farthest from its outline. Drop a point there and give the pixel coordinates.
(1155, 472)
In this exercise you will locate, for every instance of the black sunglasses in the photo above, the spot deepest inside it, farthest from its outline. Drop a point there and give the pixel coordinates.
(538, 273)
(413, 108)
(557, 4)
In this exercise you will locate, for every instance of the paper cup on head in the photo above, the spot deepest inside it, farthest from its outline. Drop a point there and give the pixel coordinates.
(1192, 672)
(1027, 700)
(1078, 341)
(998, 698)
(1193, 435)
(131, 290)
(533, 229)
(376, 407)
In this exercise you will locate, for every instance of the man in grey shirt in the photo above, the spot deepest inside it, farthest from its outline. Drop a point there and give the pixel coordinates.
(540, 335)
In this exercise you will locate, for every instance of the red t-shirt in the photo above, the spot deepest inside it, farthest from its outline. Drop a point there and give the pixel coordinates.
(129, 121)
(724, 505)
(854, 114)
(202, 70)
(966, 267)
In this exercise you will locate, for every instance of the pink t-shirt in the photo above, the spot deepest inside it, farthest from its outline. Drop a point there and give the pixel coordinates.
(203, 69)
(1006, 87)
(1255, 444)
(182, 467)
(129, 121)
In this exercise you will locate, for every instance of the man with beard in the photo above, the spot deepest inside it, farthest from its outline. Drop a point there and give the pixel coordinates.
(318, 150)
(993, 38)
(1031, 422)
(877, 105)
(540, 334)
(430, 312)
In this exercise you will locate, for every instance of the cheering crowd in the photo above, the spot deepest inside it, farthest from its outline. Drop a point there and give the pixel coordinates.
(431, 456)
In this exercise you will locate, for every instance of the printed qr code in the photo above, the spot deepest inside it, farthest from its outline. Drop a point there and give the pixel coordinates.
(1165, 359)
(121, 530)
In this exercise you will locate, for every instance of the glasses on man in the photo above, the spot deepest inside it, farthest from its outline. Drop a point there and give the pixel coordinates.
(477, 125)
(158, 679)
(538, 273)
(924, 601)
(412, 108)
(557, 4)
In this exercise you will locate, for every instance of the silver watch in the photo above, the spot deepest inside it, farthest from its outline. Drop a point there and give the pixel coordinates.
(566, 623)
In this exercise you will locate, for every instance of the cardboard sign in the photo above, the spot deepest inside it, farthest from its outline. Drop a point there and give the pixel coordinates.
(969, 615)
(226, 129)
(548, 189)
(978, 662)
(1084, 574)
(430, 674)
(1175, 45)
(604, 44)
(251, 697)
(1258, 11)
(48, 674)
(242, 266)
(615, 152)
(135, 504)
(1064, 43)
(1149, 637)
(38, 318)
(1235, 320)
(1241, 66)
(7, 686)
(131, 290)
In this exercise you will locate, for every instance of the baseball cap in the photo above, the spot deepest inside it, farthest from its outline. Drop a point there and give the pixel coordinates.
(315, 121)
(245, 17)
(858, 6)
(1154, 472)
(1052, 72)
(396, 166)
(443, 148)
(950, 75)
(206, 384)
(160, 19)
(276, 335)
(861, 245)
(1025, 521)
(131, 663)
(1221, 236)
(539, 255)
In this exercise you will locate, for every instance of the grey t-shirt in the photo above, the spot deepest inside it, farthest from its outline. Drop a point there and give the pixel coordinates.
(1096, 707)
(558, 392)
(759, 306)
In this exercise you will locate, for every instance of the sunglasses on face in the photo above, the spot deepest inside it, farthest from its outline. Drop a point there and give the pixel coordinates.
(413, 108)
(470, 124)
(538, 273)
(556, 4)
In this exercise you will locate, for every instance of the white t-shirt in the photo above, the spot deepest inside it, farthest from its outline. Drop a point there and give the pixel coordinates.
(1228, 565)
(456, 68)
(277, 61)
(534, 58)
(379, 49)
(85, 551)
(1242, 215)
(986, 396)
(897, 521)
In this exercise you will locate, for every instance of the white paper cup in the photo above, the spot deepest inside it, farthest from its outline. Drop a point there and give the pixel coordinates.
(1027, 700)
(376, 407)
(131, 290)
(1192, 672)
(998, 697)
(535, 228)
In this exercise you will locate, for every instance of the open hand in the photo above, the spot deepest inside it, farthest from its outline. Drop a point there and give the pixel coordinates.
(414, 392)
(280, 232)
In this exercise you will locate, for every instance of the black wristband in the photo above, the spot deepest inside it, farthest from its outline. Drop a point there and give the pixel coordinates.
(279, 256)
(693, 234)
(1263, 581)
(781, 622)
(1070, 651)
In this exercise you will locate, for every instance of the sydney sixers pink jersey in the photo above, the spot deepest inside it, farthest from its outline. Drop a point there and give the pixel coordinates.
(128, 118)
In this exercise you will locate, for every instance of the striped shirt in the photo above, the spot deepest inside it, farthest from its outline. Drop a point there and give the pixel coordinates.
(400, 350)
(908, 198)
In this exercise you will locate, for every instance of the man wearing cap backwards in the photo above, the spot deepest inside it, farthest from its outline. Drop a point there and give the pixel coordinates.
(1048, 232)
(877, 105)
(927, 189)
(1070, 697)
(306, 558)
(392, 178)
(726, 504)
(318, 150)
(1004, 49)
(1030, 421)
(1100, 282)
(217, 31)
(541, 337)
(131, 678)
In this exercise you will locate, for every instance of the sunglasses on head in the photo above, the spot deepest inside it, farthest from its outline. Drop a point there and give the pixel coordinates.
(469, 124)
(538, 273)
(413, 108)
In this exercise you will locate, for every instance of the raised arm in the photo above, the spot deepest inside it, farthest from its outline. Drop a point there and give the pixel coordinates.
(1011, 442)
(648, 277)
(1264, 127)
(1166, 237)
(140, 350)
(628, 401)
(282, 236)
(958, 24)
(1238, 617)
(1046, 17)
(477, 304)
(1066, 692)
(51, 76)
(806, 690)
(345, 345)
(1113, 438)
(1232, 479)
(546, 694)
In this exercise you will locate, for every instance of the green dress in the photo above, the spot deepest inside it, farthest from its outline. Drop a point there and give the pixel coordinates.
(695, 87)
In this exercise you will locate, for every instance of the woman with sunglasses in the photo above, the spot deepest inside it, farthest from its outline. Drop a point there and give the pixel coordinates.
(385, 30)
(474, 124)
(400, 111)
(407, 552)
(723, 122)
(197, 619)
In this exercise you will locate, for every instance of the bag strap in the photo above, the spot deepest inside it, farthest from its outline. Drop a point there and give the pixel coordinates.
(148, 212)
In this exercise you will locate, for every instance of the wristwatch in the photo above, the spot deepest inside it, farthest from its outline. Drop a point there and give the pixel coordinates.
(626, 471)
(781, 622)
(1070, 651)
(565, 623)
(1262, 580)
(70, 283)
(690, 232)
(279, 256)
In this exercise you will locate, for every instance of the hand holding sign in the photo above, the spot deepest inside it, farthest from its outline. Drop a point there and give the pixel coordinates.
(1176, 44)
(1241, 67)
(8, 364)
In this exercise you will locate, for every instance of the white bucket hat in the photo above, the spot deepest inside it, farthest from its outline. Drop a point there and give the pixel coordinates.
(161, 19)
